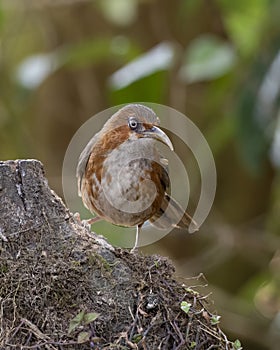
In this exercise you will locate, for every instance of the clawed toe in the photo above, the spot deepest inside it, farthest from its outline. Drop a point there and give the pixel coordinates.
(134, 250)
(86, 223)
(77, 216)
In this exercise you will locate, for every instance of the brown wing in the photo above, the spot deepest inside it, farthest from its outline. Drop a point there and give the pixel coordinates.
(83, 161)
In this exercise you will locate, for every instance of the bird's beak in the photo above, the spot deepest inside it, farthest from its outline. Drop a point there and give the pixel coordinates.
(159, 135)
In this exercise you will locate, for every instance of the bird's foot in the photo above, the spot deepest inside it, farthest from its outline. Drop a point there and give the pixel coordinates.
(86, 223)
(134, 250)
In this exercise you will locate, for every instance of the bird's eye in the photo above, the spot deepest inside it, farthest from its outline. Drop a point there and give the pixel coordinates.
(133, 123)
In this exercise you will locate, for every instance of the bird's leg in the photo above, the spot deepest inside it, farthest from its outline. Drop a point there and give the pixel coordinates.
(138, 228)
(93, 220)
(86, 223)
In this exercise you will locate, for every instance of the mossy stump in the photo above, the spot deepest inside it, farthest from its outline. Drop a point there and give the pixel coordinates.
(64, 287)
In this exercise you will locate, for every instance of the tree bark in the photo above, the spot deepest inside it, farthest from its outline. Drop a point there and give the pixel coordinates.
(64, 287)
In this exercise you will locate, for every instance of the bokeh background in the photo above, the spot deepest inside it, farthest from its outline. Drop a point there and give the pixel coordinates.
(218, 62)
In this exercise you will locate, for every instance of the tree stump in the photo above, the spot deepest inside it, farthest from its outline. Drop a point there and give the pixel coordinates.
(64, 287)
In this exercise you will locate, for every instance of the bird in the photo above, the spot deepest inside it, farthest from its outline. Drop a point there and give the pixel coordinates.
(122, 177)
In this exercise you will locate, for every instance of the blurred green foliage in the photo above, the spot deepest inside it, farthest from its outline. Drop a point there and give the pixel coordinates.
(245, 22)
(207, 58)
(214, 60)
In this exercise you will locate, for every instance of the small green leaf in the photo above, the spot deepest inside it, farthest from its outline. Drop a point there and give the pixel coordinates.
(193, 344)
(90, 317)
(83, 337)
(136, 338)
(76, 322)
(237, 345)
(185, 306)
(215, 319)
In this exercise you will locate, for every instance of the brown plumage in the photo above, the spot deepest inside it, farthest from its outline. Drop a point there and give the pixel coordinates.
(123, 179)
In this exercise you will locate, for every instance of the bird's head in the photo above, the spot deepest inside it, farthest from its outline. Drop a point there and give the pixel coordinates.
(134, 122)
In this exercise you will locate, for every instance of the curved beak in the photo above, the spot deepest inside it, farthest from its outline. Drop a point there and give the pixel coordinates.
(159, 135)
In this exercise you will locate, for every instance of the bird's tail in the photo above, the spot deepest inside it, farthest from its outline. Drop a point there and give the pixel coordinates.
(171, 214)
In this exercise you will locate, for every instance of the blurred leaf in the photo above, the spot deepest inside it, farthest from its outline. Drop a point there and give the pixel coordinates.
(267, 101)
(215, 319)
(76, 321)
(207, 58)
(245, 21)
(35, 69)
(266, 112)
(121, 12)
(83, 337)
(90, 317)
(237, 345)
(136, 338)
(158, 58)
(82, 318)
(185, 306)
